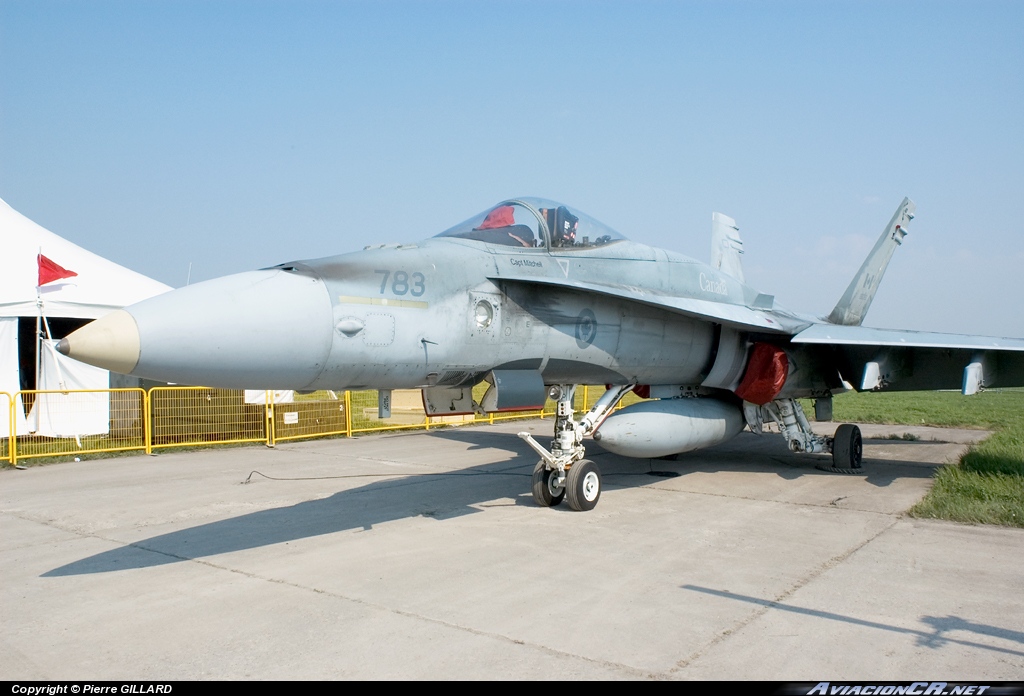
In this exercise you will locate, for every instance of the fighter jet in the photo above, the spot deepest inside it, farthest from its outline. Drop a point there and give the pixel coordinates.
(534, 298)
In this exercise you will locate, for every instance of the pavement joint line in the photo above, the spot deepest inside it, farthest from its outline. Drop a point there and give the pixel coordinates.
(381, 460)
(786, 594)
(415, 473)
(397, 480)
(412, 615)
(347, 457)
(656, 488)
(45, 523)
(628, 669)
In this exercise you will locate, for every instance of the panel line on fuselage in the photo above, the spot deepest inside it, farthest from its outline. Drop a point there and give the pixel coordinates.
(383, 302)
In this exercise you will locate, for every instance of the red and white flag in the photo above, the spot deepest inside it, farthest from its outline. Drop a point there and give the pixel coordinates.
(50, 271)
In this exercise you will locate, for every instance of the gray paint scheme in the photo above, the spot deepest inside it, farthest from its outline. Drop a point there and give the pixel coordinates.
(612, 311)
(536, 298)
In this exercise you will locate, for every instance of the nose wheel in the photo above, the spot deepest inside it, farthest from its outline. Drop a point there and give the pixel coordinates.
(583, 485)
(548, 485)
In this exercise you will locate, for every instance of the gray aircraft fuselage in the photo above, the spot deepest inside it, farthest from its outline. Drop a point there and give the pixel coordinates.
(415, 315)
(502, 291)
(431, 329)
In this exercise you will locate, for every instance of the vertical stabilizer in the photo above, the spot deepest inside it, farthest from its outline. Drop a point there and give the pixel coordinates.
(726, 246)
(857, 299)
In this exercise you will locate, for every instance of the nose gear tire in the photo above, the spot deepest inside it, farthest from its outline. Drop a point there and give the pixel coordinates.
(545, 493)
(583, 485)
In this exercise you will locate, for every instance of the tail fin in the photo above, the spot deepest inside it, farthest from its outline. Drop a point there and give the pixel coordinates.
(857, 299)
(726, 246)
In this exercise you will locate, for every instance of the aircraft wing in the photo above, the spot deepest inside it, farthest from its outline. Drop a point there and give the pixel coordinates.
(737, 316)
(867, 358)
(898, 360)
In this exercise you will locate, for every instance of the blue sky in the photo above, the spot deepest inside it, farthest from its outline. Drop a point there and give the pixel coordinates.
(237, 135)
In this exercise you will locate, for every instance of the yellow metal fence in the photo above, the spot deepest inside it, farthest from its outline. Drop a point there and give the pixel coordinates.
(73, 422)
(8, 430)
(69, 423)
(189, 416)
(320, 414)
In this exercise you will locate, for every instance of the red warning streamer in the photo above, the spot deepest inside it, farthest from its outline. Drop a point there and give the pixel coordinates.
(50, 271)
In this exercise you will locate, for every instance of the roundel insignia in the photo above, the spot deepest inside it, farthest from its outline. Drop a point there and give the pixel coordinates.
(586, 328)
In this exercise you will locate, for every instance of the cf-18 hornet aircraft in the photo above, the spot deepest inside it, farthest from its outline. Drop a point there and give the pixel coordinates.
(535, 298)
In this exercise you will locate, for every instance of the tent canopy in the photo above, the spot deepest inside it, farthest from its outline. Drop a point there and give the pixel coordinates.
(101, 286)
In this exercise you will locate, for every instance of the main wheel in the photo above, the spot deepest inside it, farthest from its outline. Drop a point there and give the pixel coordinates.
(545, 492)
(583, 485)
(847, 447)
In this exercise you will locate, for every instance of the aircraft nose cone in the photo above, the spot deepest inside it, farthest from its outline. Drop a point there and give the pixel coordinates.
(268, 329)
(110, 342)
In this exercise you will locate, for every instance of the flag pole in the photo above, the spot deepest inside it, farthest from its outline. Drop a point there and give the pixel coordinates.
(39, 332)
(56, 359)
(39, 346)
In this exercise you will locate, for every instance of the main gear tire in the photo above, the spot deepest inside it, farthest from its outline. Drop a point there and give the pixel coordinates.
(848, 449)
(545, 492)
(583, 485)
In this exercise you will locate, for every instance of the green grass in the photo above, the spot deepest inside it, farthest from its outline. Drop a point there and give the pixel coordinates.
(987, 485)
(988, 410)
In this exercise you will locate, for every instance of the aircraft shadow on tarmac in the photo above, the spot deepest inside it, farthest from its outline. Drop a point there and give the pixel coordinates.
(746, 453)
(438, 496)
(936, 636)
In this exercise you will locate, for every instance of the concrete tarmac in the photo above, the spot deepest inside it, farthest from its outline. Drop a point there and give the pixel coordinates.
(421, 555)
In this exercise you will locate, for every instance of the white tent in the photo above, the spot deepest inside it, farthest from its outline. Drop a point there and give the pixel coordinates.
(98, 287)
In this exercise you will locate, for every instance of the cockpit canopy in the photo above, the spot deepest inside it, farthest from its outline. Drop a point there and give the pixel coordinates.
(535, 223)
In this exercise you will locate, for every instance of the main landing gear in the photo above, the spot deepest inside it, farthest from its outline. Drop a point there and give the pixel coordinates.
(847, 447)
(562, 472)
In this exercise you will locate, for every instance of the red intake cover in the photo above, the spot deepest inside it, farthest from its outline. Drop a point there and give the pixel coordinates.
(766, 373)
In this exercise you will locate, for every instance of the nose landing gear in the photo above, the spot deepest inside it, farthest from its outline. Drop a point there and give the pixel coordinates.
(562, 472)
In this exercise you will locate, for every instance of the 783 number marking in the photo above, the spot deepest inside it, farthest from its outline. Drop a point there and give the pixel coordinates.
(402, 283)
